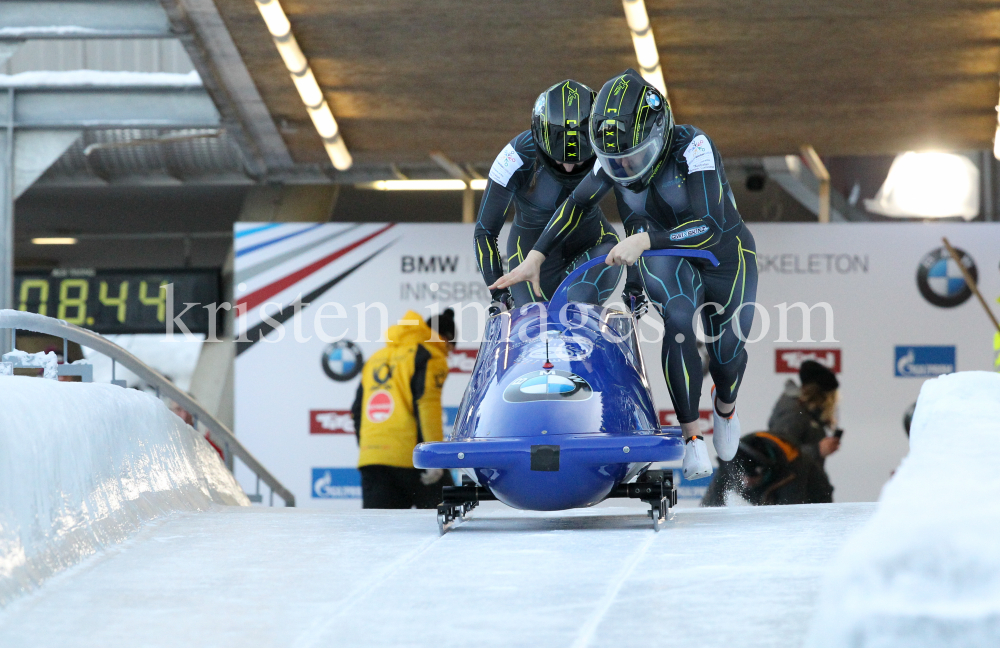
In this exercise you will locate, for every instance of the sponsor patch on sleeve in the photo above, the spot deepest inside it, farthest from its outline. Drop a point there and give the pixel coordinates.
(699, 155)
(688, 233)
(505, 165)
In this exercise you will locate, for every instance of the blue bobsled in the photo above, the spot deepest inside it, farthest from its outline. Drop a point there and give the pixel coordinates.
(558, 412)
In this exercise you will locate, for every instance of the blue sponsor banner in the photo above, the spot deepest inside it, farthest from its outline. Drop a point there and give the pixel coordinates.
(924, 361)
(336, 483)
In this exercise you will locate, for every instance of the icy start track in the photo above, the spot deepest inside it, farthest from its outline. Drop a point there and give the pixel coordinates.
(242, 577)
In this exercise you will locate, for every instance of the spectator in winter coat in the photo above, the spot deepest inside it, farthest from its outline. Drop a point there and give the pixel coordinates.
(398, 406)
(806, 413)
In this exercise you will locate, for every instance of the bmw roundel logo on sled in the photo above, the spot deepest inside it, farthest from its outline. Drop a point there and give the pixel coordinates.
(940, 279)
(547, 384)
(342, 360)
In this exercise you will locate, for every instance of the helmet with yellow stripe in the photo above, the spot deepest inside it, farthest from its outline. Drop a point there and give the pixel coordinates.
(630, 128)
(559, 122)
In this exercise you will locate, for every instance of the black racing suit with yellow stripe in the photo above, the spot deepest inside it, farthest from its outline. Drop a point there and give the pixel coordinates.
(522, 181)
(686, 204)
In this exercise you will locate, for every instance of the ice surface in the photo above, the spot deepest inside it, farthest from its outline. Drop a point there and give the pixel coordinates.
(925, 571)
(99, 78)
(83, 465)
(258, 577)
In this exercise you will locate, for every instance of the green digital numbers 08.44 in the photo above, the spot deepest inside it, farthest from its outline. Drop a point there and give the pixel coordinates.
(118, 301)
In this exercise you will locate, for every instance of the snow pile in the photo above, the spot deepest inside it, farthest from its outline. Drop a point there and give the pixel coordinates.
(82, 465)
(925, 571)
(175, 357)
(47, 362)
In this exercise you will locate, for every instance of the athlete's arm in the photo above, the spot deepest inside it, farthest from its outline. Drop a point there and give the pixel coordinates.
(634, 224)
(568, 216)
(506, 177)
(565, 219)
(496, 205)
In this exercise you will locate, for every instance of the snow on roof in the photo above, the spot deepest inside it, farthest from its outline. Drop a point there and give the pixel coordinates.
(101, 78)
(54, 30)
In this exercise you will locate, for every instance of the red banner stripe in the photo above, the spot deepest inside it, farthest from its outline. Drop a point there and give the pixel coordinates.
(259, 296)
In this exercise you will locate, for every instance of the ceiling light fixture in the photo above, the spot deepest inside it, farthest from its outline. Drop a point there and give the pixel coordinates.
(423, 185)
(645, 43)
(54, 240)
(928, 185)
(305, 82)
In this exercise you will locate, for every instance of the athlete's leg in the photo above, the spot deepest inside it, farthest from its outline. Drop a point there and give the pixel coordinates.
(597, 285)
(674, 286)
(732, 285)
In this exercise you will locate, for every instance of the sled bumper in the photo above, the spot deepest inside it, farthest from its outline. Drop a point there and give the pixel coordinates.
(547, 453)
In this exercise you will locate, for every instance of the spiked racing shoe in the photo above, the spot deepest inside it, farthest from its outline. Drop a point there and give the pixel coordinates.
(696, 463)
(726, 431)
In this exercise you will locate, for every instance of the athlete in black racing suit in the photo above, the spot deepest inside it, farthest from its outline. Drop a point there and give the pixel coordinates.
(532, 176)
(672, 192)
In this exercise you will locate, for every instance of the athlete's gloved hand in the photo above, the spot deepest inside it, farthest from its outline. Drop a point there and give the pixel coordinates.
(628, 251)
(431, 476)
(635, 300)
(529, 270)
(501, 301)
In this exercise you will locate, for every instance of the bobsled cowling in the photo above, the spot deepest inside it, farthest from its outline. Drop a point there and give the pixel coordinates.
(558, 409)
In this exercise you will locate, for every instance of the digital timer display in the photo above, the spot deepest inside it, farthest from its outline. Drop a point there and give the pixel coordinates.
(120, 301)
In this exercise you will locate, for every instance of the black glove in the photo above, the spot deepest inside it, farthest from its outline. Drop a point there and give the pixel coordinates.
(502, 301)
(635, 301)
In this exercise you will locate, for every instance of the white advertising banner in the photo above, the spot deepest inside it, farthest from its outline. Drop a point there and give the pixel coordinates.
(886, 310)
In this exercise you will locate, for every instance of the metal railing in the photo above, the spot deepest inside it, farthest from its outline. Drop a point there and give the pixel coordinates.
(218, 433)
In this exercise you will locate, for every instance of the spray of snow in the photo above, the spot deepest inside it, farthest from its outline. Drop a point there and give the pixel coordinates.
(83, 465)
(925, 570)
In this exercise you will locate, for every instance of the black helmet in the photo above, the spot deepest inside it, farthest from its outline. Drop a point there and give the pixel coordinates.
(559, 122)
(630, 128)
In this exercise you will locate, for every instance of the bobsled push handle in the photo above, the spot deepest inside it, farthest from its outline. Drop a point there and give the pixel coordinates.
(559, 296)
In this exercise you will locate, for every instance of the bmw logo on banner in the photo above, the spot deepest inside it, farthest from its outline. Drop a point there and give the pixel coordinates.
(342, 360)
(940, 279)
(547, 384)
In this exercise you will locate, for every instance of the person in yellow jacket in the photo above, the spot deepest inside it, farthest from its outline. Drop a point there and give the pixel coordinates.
(398, 406)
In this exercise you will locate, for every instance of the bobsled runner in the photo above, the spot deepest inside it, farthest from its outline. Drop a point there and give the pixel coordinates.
(558, 413)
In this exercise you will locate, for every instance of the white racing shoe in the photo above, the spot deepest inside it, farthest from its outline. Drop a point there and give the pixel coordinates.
(696, 463)
(725, 432)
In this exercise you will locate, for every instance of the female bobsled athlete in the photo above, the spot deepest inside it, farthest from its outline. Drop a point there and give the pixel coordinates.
(533, 175)
(672, 192)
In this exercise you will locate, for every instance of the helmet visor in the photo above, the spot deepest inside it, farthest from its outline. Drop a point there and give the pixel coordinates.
(627, 166)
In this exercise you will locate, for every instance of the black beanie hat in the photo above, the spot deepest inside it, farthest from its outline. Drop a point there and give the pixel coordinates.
(812, 372)
(444, 324)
